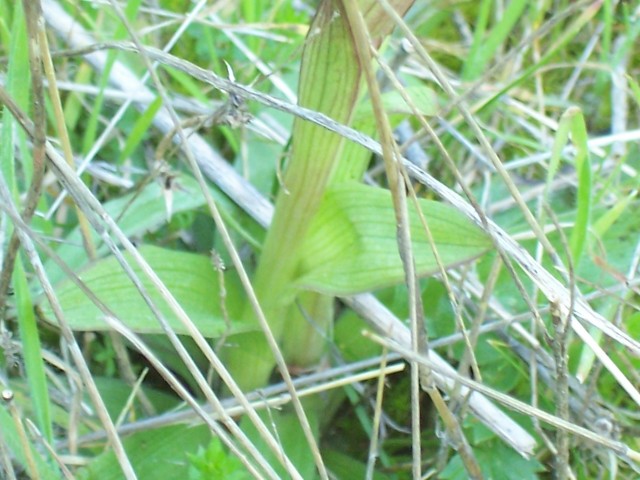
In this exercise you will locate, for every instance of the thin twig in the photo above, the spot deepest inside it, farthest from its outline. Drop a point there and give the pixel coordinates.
(35, 432)
(63, 134)
(272, 396)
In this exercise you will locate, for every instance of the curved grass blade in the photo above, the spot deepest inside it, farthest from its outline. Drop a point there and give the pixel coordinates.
(572, 126)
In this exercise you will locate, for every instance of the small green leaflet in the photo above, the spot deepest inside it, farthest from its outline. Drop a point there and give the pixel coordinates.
(351, 246)
(191, 279)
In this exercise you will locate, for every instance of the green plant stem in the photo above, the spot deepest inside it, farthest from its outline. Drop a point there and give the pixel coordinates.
(331, 83)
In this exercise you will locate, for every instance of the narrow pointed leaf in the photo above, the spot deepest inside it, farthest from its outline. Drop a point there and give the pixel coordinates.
(572, 126)
(352, 245)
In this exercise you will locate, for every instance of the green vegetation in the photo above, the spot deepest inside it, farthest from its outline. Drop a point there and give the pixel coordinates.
(376, 239)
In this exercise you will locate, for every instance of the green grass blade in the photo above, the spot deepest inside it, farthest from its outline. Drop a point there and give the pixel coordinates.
(569, 33)
(635, 88)
(5, 33)
(583, 168)
(572, 126)
(602, 225)
(32, 352)
(475, 55)
(120, 33)
(139, 129)
(17, 86)
(484, 49)
(73, 104)
(190, 86)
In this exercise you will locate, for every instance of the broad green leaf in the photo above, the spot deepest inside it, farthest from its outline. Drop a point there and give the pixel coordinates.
(352, 247)
(159, 453)
(191, 279)
(145, 211)
(345, 466)
(497, 461)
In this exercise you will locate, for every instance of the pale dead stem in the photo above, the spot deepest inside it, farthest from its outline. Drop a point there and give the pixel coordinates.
(390, 154)
(454, 431)
(31, 468)
(619, 448)
(272, 396)
(377, 415)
